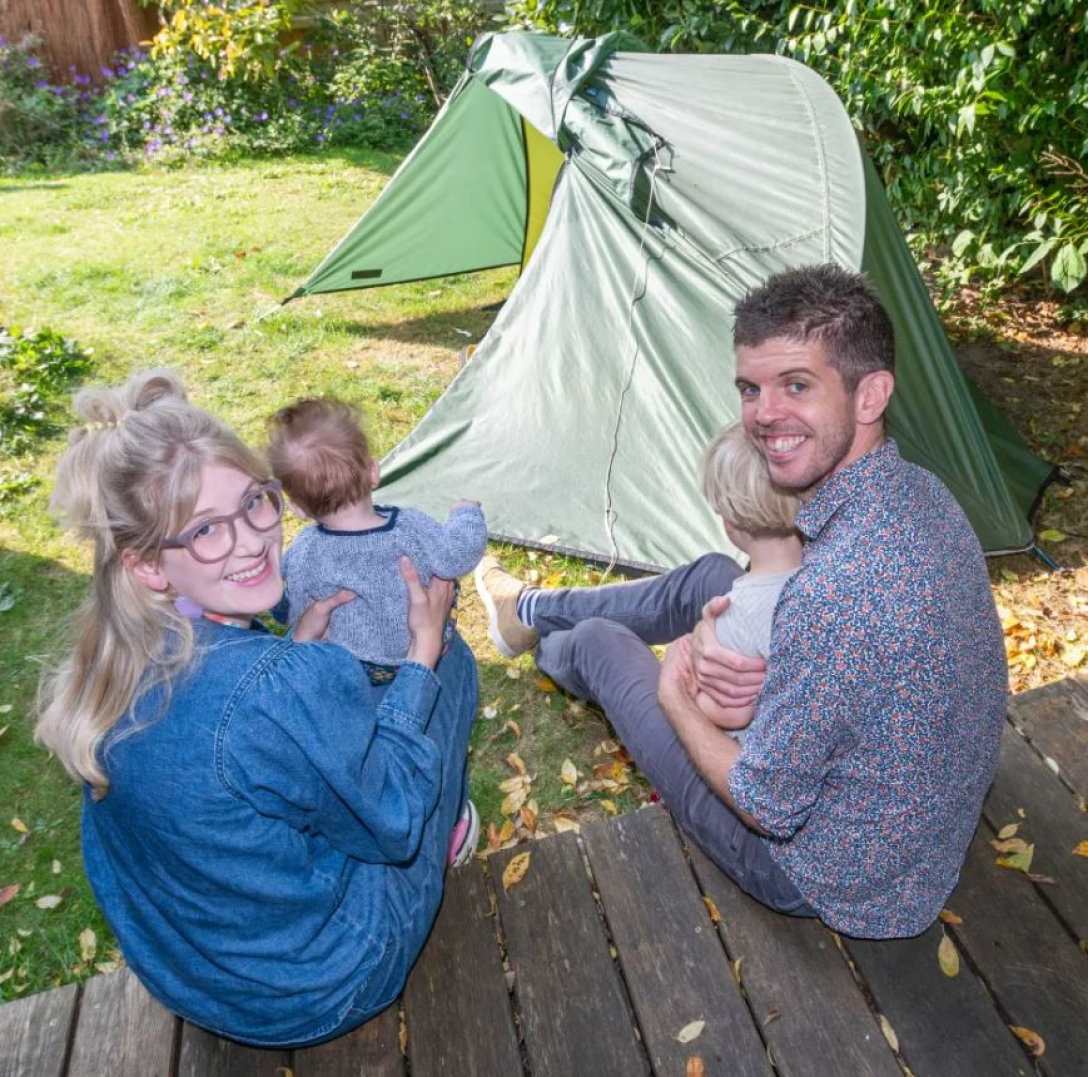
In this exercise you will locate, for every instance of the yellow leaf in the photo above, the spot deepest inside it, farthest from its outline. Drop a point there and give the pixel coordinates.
(546, 684)
(56, 867)
(515, 784)
(515, 871)
(889, 1033)
(48, 901)
(948, 957)
(513, 672)
(690, 1031)
(715, 916)
(554, 580)
(512, 804)
(516, 762)
(87, 944)
(1008, 831)
(1010, 845)
(1073, 656)
(1081, 849)
(735, 966)
(19, 825)
(610, 807)
(528, 818)
(695, 1067)
(564, 822)
(1035, 1043)
(507, 831)
(1018, 861)
(569, 773)
(949, 917)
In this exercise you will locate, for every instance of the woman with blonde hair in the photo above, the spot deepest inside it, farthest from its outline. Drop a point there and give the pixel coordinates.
(265, 830)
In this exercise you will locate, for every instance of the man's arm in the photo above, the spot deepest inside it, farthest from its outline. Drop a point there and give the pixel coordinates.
(711, 751)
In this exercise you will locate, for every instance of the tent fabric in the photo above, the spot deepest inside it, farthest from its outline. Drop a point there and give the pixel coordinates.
(581, 418)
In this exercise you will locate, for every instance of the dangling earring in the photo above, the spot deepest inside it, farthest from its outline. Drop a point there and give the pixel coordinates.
(188, 608)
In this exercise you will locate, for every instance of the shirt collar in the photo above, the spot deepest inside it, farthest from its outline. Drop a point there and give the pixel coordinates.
(844, 485)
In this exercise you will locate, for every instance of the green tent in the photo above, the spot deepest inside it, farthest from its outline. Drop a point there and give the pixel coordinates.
(643, 195)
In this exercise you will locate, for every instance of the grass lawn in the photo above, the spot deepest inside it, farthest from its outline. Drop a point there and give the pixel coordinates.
(176, 268)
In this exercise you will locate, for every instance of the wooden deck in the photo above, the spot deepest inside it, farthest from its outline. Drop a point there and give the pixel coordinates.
(610, 946)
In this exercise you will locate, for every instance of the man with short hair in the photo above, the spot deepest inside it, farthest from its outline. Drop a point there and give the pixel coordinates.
(878, 723)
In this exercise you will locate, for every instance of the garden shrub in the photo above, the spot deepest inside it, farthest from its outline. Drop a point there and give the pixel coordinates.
(976, 113)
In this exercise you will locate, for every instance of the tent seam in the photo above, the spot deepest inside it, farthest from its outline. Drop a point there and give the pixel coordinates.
(821, 159)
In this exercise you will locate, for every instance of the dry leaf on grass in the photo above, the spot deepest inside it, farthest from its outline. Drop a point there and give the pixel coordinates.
(568, 773)
(516, 762)
(18, 824)
(515, 871)
(948, 957)
(691, 1031)
(88, 943)
(564, 821)
(49, 901)
(8, 892)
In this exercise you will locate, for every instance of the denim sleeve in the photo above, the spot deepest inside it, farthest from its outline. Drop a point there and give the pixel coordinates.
(456, 546)
(790, 746)
(303, 742)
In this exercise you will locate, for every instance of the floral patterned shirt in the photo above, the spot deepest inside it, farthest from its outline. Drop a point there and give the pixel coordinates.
(877, 728)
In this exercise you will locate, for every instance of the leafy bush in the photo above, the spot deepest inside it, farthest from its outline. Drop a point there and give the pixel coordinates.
(37, 370)
(976, 113)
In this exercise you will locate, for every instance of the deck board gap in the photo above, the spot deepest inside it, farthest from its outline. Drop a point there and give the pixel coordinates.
(72, 1026)
(1059, 775)
(757, 1022)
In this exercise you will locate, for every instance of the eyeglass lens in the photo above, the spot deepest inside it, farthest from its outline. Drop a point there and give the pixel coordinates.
(216, 539)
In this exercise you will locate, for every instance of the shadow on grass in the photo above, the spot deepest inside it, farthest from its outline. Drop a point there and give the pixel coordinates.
(15, 188)
(447, 329)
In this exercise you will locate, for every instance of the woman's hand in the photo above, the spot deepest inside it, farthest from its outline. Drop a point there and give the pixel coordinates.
(313, 625)
(428, 609)
(730, 679)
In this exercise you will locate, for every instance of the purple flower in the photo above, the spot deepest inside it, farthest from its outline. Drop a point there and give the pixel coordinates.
(111, 156)
(104, 136)
(218, 111)
(187, 96)
(356, 117)
(107, 73)
(207, 117)
(319, 137)
(82, 80)
(100, 119)
(292, 102)
(33, 61)
(41, 84)
(147, 125)
(261, 116)
(219, 130)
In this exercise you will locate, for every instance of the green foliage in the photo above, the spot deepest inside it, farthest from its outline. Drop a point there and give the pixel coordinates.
(236, 37)
(976, 113)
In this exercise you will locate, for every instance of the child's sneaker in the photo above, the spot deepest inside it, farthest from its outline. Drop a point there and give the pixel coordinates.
(466, 833)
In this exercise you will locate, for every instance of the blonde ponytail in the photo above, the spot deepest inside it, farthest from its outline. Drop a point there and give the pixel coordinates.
(130, 477)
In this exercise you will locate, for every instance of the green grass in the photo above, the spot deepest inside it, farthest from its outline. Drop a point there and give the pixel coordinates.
(185, 268)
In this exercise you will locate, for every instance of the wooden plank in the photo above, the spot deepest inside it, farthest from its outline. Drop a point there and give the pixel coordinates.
(814, 1017)
(121, 1030)
(575, 1017)
(372, 1050)
(1029, 962)
(1055, 719)
(1052, 821)
(457, 1005)
(34, 1033)
(206, 1055)
(946, 1026)
(673, 963)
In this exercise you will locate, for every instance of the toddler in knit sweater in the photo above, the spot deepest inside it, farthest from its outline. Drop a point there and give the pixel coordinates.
(320, 454)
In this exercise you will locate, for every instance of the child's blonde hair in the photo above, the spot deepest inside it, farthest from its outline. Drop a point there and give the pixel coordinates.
(738, 486)
(320, 454)
(130, 477)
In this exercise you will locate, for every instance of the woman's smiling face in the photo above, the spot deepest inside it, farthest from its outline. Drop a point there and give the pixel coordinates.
(248, 580)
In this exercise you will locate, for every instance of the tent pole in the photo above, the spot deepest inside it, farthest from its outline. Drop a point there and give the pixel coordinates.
(1043, 556)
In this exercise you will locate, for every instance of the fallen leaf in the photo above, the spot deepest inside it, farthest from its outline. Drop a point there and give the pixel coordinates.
(715, 916)
(695, 1067)
(772, 1015)
(889, 1033)
(690, 1031)
(507, 831)
(735, 966)
(8, 892)
(6, 708)
(546, 684)
(948, 957)
(18, 824)
(568, 773)
(549, 540)
(516, 762)
(513, 672)
(56, 867)
(491, 712)
(49, 901)
(1008, 831)
(563, 822)
(1081, 849)
(514, 728)
(512, 804)
(610, 807)
(1031, 1039)
(1010, 845)
(515, 871)
(1042, 880)
(6, 975)
(1052, 534)
(494, 842)
(949, 917)
(87, 944)
(528, 818)
(514, 784)
(1018, 861)
(554, 580)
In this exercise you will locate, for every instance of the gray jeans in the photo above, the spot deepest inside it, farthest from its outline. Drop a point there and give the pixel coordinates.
(594, 643)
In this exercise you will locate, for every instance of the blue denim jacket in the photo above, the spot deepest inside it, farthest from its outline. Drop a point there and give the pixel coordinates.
(254, 812)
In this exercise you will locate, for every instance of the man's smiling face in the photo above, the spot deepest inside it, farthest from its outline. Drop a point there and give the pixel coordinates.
(799, 414)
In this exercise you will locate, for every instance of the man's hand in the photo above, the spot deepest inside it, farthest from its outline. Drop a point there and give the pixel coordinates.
(730, 679)
(313, 625)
